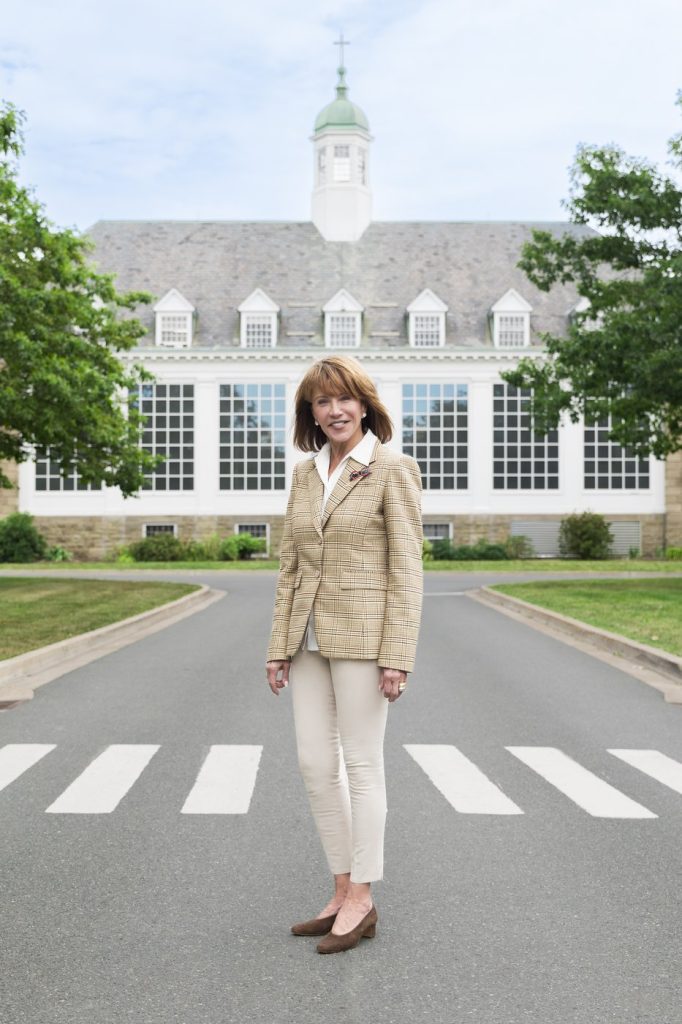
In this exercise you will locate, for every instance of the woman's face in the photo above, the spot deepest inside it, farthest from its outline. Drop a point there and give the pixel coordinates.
(340, 417)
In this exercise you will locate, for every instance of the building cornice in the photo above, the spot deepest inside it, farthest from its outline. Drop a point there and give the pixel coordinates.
(275, 355)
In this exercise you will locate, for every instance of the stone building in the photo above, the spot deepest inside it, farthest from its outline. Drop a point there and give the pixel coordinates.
(434, 311)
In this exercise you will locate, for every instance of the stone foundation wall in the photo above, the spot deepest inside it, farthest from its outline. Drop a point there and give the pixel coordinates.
(673, 500)
(9, 496)
(98, 538)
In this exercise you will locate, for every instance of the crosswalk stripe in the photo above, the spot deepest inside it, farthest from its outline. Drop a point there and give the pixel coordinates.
(106, 780)
(16, 758)
(581, 786)
(225, 781)
(652, 762)
(460, 781)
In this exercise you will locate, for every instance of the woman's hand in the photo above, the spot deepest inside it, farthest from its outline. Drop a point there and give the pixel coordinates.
(275, 680)
(392, 681)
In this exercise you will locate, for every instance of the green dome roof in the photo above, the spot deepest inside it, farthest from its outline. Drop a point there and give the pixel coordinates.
(341, 113)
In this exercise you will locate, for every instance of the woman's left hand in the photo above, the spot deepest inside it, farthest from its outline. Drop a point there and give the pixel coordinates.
(390, 682)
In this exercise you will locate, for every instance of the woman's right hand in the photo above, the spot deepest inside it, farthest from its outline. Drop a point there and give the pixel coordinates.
(275, 680)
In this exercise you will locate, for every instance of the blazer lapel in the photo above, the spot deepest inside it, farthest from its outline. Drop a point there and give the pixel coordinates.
(344, 485)
(316, 493)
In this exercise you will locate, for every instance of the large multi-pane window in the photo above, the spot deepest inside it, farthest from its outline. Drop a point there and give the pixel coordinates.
(436, 433)
(609, 466)
(50, 477)
(252, 437)
(523, 459)
(168, 431)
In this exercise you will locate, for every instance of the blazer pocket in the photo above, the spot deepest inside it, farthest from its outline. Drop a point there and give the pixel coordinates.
(364, 580)
(297, 581)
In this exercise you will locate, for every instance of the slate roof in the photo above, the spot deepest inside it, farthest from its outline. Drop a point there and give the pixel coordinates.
(217, 264)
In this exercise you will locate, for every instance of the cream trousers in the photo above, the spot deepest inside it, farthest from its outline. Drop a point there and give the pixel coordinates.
(340, 718)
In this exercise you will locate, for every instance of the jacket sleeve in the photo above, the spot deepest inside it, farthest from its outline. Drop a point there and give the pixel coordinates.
(403, 523)
(284, 595)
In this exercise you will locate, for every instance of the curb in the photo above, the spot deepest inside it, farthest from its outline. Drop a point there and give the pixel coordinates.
(668, 667)
(21, 675)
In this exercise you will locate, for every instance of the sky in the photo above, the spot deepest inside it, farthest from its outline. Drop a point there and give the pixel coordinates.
(148, 110)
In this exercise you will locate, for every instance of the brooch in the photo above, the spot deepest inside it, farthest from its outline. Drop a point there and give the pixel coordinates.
(360, 473)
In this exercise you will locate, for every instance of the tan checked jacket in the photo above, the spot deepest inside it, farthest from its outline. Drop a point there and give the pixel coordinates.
(359, 562)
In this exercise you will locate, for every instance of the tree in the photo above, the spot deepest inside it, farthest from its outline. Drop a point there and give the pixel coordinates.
(62, 384)
(622, 354)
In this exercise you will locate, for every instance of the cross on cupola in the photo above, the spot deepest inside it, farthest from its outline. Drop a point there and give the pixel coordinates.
(341, 197)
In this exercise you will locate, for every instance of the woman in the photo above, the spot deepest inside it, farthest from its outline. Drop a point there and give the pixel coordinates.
(345, 624)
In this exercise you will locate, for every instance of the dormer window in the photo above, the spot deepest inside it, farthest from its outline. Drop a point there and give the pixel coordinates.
(258, 316)
(174, 318)
(427, 320)
(342, 321)
(511, 321)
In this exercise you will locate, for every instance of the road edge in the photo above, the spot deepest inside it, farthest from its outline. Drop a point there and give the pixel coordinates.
(649, 665)
(20, 676)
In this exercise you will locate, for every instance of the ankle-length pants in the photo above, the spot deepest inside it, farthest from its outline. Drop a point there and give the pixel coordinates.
(340, 719)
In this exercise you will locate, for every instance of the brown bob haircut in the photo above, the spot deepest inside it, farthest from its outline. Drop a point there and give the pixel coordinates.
(337, 375)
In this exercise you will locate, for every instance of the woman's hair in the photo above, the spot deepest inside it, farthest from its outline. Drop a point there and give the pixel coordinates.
(337, 375)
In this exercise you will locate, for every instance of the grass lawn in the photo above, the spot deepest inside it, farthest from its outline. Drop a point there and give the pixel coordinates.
(539, 565)
(649, 611)
(35, 612)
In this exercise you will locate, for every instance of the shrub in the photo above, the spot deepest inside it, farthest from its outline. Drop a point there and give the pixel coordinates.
(162, 548)
(20, 541)
(59, 554)
(585, 535)
(675, 554)
(519, 547)
(427, 550)
(444, 550)
(240, 546)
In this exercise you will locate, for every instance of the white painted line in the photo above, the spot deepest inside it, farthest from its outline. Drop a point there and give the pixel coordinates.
(581, 786)
(225, 781)
(106, 780)
(16, 758)
(652, 762)
(459, 780)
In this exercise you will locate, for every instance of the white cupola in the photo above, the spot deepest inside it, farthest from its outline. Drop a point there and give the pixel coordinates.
(342, 201)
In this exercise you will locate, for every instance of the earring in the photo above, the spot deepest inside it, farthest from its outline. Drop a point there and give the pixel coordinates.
(363, 415)
(316, 423)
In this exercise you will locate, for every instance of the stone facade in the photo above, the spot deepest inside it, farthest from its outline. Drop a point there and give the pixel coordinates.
(99, 537)
(673, 500)
(9, 496)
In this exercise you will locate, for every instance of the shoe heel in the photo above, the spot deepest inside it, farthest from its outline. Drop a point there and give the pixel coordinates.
(370, 932)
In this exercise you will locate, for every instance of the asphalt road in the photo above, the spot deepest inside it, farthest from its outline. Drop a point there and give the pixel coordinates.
(519, 888)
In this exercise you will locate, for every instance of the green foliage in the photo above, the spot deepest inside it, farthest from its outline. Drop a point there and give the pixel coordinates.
(427, 550)
(585, 535)
(633, 552)
(674, 554)
(164, 547)
(59, 554)
(622, 356)
(60, 341)
(444, 550)
(20, 541)
(519, 547)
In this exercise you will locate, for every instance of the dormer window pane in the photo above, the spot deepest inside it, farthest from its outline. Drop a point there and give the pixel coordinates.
(341, 163)
(427, 330)
(512, 332)
(259, 330)
(174, 330)
(343, 330)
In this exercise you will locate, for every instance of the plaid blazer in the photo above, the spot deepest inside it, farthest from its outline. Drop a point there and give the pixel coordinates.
(359, 562)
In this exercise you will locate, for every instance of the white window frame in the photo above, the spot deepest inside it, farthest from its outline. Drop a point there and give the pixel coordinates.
(245, 528)
(427, 305)
(258, 310)
(345, 305)
(172, 532)
(448, 526)
(511, 306)
(341, 165)
(175, 315)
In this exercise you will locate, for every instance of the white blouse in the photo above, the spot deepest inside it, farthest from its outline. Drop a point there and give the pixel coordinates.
(362, 453)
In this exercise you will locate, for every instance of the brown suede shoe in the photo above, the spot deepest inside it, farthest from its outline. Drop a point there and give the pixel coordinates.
(339, 943)
(318, 926)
